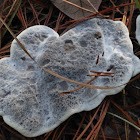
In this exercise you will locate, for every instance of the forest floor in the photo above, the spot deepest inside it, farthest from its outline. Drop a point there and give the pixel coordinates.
(20, 15)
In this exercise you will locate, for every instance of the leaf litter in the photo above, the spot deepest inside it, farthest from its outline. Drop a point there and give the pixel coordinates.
(76, 9)
(68, 132)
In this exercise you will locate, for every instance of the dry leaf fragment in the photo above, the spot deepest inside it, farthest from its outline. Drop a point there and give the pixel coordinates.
(88, 7)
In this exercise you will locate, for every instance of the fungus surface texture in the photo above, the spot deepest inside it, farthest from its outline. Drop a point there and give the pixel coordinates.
(138, 29)
(29, 96)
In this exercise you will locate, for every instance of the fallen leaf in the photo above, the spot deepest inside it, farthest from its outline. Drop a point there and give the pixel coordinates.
(76, 9)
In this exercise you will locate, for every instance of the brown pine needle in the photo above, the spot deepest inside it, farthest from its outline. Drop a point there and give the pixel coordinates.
(62, 93)
(97, 127)
(102, 72)
(103, 54)
(135, 78)
(132, 106)
(6, 51)
(99, 75)
(127, 116)
(12, 7)
(103, 135)
(60, 133)
(21, 17)
(4, 56)
(78, 6)
(90, 122)
(49, 15)
(97, 60)
(5, 48)
(83, 118)
(55, 133)
(137, 53)
(48, 135)
(60, 18)
(34, 12)
(92, 6)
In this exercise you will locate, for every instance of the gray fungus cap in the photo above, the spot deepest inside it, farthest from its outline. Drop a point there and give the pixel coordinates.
(29, 96)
